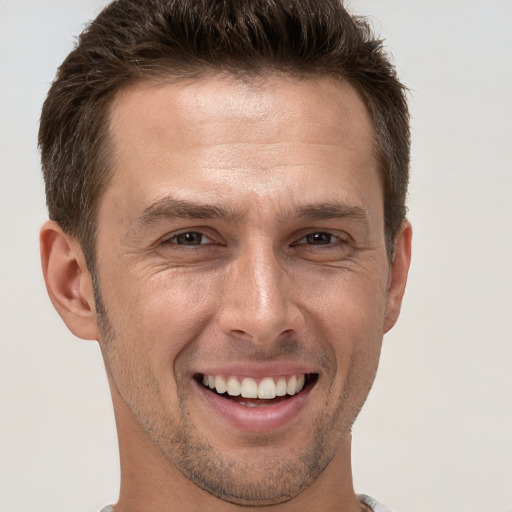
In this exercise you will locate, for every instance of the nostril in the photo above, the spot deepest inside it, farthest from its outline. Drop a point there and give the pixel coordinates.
(250, 323)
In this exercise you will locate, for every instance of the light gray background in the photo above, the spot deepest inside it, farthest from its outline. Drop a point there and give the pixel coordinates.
(436, 433)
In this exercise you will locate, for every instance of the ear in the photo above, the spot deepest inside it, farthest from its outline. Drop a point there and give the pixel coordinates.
(68, 280)
(398, 274)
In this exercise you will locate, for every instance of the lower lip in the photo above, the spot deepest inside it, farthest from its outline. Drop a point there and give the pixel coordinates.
(262, 418)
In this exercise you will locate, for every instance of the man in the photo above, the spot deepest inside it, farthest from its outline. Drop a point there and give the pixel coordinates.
(226, 184)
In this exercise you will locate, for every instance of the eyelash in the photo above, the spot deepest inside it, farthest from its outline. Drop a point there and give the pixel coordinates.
(173, 239)
(334, 239)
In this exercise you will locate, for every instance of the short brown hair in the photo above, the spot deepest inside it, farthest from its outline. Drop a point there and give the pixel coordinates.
(135, 40)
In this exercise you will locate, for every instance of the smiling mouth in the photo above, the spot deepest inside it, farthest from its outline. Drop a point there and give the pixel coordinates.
(257, 392)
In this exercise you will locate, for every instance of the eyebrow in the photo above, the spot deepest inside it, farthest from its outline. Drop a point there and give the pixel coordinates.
(334, 210)
(168, 208)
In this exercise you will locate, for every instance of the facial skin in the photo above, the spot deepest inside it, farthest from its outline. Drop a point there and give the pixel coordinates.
(242, 234)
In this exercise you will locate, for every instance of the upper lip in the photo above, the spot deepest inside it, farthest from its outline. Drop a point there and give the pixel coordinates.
(257, 371)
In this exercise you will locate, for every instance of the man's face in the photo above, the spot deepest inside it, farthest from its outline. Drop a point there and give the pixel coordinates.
(241, 245)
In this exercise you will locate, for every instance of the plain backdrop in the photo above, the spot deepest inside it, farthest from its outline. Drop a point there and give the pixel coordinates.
(436, 432)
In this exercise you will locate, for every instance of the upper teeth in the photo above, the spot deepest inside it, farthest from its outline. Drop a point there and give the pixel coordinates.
(247, 387)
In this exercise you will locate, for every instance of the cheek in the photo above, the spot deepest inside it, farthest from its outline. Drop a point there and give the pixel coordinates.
(156, 317)
(349, 317)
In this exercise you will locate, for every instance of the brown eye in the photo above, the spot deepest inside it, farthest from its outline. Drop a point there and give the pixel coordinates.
(318, 238)
(189, 238)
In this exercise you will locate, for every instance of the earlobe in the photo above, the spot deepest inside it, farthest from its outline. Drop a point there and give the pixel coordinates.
(398, 272)
(68, 280)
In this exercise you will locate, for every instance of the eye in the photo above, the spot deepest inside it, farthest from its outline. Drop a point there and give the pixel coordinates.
(189, 238)
(318, 238)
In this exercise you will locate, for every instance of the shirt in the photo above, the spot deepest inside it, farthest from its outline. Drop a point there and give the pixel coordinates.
(363, 498)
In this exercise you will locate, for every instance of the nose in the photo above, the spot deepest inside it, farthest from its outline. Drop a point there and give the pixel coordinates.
(258, 299)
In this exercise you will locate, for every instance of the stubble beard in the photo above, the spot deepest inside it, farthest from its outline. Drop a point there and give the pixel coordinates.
(249, 481)
(241, 482)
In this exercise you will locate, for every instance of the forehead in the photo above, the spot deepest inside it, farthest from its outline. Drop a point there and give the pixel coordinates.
(281, 138)
(283, 108)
